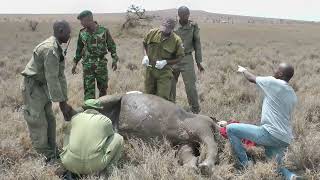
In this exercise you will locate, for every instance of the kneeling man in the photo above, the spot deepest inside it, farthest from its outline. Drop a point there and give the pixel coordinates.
(275, 131)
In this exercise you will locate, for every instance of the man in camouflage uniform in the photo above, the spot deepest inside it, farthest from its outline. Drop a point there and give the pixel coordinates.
(44, 83)
(189, 33)
(94, 42)
(162, 49)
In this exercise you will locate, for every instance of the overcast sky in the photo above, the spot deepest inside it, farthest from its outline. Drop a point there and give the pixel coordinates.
(291, 9)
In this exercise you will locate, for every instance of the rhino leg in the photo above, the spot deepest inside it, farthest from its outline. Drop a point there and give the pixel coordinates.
(186, 157)
(209, 154)
(202, 128)
(207, 138)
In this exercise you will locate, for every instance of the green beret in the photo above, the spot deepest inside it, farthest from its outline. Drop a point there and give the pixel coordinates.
(92, 103)
(84, 13)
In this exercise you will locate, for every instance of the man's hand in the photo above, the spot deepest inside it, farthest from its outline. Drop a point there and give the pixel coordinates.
(145, 61)
(200, 67)
(249, 76)
(160, 64)
(222, 123)
(114, 66)
(66, 110)
(241, 69)
(74, 68)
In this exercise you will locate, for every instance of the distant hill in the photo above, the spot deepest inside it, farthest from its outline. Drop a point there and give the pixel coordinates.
(197, 15)
(208, 17)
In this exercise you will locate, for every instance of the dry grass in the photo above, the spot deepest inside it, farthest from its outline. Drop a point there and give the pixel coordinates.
(223, 93)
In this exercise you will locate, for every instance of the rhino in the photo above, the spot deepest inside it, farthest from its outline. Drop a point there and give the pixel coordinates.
(146, 116)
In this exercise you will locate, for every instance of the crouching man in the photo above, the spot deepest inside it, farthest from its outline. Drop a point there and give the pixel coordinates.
(91, 146)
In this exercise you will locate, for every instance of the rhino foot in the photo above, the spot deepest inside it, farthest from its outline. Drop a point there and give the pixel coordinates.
(192, 164)
(205, 168)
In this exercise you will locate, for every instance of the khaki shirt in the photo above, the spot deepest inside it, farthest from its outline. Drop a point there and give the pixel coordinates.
(89, 132)
(163, 49)
(190, 36)
(47, 67)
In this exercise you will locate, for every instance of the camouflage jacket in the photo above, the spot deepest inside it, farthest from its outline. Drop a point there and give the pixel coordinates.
(190, 36)
(47, 67)
(95, 45)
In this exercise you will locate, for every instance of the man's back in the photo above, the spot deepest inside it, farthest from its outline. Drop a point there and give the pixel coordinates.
(35, 67)
(278, 105)
(46, 67)
(92, 144)
(89, 132)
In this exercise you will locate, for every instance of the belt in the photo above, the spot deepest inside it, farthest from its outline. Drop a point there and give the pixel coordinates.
(188, 53)
(152, 63)
(164, 68)
(94, 57)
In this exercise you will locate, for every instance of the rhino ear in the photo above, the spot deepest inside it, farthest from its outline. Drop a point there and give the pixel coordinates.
(214, 119)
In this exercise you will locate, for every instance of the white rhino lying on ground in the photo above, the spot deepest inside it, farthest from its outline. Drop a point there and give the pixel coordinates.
(146, 116)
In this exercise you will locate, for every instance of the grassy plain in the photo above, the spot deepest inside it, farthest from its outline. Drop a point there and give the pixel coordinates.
(224, 94)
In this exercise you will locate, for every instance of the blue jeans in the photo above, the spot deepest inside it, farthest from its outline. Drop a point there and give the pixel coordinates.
(273, 146)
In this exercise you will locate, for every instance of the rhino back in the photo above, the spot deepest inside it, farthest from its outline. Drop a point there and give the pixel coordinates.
(151, 115)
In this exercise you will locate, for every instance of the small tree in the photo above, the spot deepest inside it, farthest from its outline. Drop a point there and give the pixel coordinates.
(137, 11)
(134, 15)
(33, 25)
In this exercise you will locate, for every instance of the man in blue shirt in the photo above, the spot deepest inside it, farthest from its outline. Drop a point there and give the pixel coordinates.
(275, 131)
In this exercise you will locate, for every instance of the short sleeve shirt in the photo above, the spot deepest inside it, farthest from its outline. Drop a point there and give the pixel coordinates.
(278, 105)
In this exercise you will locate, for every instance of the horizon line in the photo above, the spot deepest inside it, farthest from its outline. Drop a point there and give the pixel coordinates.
(123, 12)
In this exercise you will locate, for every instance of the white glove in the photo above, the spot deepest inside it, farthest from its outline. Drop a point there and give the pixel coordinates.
(145, 61)
(241, 69)
(160, 64)
(222, 123)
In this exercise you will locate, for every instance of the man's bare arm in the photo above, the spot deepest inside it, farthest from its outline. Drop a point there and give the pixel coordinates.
(249, 76)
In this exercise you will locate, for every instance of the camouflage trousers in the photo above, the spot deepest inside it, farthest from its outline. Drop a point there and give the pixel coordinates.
(186, 68)
(95, 71)
(159, 81)
(39, 116)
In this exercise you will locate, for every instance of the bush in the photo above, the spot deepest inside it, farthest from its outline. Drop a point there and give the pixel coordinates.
(33, 25)
(135, 14)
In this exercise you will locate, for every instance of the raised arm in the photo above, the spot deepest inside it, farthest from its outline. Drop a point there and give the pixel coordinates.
(249, 76)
